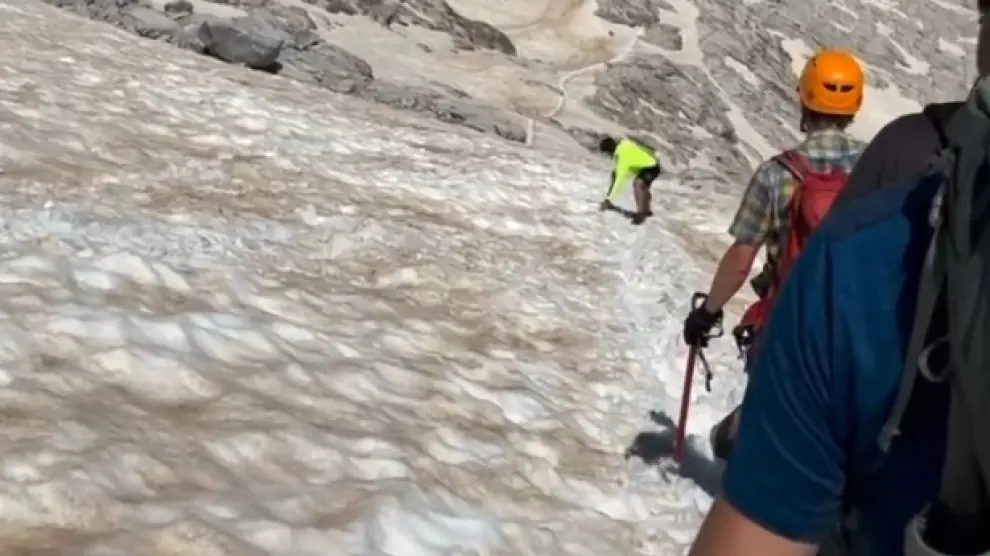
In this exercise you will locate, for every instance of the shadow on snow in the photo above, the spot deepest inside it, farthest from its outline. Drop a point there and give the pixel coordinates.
(653, 446)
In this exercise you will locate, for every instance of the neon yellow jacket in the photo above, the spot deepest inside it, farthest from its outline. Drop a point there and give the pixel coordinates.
(630, 158)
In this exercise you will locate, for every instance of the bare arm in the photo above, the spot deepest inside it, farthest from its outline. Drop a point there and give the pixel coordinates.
(749, 230)
(731, 275)
(726, 532)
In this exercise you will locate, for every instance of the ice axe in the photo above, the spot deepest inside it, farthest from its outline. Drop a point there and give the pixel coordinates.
(694, 355)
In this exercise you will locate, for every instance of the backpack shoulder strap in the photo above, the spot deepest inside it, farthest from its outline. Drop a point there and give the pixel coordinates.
(796, 163)
(939, 115)
(954, 279)
(799, 165)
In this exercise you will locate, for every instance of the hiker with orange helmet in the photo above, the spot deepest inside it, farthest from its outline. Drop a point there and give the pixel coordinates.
(786, 197)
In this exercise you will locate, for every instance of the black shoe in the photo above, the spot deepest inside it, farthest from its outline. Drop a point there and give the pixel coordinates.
(639, 218)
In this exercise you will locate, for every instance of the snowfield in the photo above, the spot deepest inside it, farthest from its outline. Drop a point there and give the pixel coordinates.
(242, 316)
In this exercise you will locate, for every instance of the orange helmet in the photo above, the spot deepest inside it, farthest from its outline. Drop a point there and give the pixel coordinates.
(832, 83)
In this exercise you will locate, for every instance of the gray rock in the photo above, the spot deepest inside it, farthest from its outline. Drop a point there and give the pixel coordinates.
(188, 35)
(479, 35)
(768, 91)
(352, 7)
(465, 112)
(179, 9)
(673, 93)
(294, 21)
(108, 11)
(148, 23)
(246, 41)
(637, 13)
(281, 39)
(449, 90)
(585, 137)
(189, 39)
(247, 5)
(751, 33)
(652, 94)
(329, 66)
(436, 15)
(665, 36)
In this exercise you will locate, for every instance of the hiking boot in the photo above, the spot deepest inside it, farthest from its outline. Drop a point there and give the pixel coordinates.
(639, 217)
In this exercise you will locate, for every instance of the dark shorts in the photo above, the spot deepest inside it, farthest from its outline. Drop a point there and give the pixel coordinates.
(647, 175)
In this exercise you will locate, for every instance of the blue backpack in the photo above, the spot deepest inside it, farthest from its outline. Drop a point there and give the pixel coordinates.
(954, 295)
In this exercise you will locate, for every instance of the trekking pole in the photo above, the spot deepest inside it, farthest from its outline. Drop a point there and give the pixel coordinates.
(694, 355)
(685, 404)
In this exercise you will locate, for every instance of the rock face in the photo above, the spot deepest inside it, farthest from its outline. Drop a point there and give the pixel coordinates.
(282, 39)
(665, 36)
(632, 12)
(703, 72)
(431, 14)
(678, 103)
(752, 67)
(749, 52)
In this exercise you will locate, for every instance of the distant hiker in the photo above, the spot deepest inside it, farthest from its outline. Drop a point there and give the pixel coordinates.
(786, 197)
(635, 161)
(870, 397)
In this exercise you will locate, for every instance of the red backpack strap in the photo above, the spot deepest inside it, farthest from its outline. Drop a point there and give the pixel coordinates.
(796, 163)
(756, 313)
(799, 165)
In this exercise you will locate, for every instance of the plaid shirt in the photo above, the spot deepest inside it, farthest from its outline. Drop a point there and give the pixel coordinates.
(762, 214)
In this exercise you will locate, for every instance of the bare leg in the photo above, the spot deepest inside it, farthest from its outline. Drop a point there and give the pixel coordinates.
(643, 198)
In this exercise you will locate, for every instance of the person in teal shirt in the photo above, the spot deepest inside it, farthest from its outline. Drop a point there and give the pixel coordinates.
(635, 161)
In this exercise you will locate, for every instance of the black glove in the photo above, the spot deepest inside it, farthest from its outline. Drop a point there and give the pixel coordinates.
(699, 324)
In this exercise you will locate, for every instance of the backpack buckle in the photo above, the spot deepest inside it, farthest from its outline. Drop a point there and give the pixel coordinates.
(925, 367)
(745, 335)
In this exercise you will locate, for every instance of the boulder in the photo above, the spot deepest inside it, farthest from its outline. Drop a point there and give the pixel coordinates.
(329, 66)
(179, 8)
(148, 22)
(246, 41)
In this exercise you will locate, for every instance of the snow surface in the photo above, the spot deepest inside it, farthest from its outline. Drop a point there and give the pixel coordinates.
(242, 316)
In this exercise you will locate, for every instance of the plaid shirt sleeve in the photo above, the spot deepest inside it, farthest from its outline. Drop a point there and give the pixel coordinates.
(755, 214)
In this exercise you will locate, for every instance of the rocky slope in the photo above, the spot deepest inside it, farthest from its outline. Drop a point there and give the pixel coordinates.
(709, 83)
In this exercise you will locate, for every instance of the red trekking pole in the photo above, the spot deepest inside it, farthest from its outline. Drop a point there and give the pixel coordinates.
(693, 355)
(685, 404)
